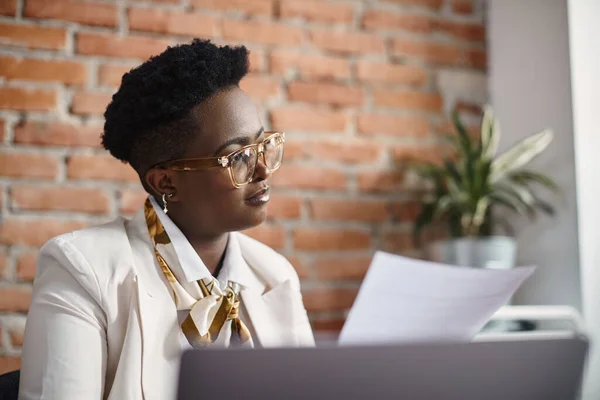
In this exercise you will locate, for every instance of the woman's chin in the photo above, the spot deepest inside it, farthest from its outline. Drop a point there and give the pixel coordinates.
(254, 217)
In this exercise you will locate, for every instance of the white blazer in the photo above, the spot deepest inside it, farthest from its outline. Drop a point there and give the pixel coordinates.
(103, 323)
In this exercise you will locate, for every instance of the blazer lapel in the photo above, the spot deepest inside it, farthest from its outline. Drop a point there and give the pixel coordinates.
(272, 314)
(158, 317)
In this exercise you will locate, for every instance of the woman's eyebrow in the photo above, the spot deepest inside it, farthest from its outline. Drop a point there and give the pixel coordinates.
(240, 140)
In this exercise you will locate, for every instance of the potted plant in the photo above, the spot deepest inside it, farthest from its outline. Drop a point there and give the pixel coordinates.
(470, 187)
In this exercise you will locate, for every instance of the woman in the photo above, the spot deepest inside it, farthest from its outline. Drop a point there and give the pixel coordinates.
(114, 305)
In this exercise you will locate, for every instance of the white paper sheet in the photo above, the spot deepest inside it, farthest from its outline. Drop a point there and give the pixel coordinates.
(404, 300)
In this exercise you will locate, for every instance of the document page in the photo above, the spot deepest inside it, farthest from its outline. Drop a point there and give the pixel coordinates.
(405, 300)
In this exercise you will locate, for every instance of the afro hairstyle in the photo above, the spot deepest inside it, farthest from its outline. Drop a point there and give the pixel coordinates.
(148, 120)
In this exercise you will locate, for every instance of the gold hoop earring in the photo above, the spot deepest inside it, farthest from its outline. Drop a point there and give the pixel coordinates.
(164, 200)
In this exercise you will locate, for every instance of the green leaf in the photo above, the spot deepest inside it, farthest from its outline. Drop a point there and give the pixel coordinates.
(425, 218)
(465, 140)
(508, 201)
(480, 213)
(453, 171)
(490, 134)
(526, 177)
(520, 154)
(444, 204)
(544, 207)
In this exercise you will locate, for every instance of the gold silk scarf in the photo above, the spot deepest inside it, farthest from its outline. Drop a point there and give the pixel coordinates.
(213, 313)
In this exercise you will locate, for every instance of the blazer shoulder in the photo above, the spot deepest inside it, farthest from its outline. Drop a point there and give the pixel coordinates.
(273, 266)
(97, 248)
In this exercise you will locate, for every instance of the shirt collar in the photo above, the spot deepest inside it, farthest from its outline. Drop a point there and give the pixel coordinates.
(235, 268)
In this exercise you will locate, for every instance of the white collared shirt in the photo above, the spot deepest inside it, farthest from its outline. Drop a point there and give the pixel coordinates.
(191, 268)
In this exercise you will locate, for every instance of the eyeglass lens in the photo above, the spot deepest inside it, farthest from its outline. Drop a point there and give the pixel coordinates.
(243, 163)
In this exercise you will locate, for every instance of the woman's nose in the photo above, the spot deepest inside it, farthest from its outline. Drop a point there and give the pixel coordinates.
(261, 172)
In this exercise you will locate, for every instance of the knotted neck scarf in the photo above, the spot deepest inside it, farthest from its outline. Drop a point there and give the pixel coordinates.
(213, 317)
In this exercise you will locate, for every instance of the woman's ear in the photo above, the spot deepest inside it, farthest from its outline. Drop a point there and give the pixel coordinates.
(159, 180)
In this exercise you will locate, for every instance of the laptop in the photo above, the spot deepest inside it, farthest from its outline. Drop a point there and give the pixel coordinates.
(521, 369)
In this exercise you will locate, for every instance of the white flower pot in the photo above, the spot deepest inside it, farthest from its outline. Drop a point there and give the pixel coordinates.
(487, 252)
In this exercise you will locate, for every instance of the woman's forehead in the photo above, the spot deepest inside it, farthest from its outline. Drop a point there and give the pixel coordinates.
(225, 116)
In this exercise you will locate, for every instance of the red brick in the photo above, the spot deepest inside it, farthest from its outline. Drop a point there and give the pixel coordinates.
(462, 7)
(469, 108)
(329, 299)
(391, 73)
(26, 266)
(476, 58)
(380, 19)
(14, 299)
(131, 200)
(111, 74)
(389, 125)
(429, 154)
(3, 267)
(28, 165)
(102, 167)
(295, 149)
(347, 43)
(101, 44)
(9, 363)
(380, 181)
(68, 72)
(309, 177)
(327, 325)
(254, 7)
(53, 133)
(309, 65)
(317, 11)
(405, 211)
(446, 127)
(349, 151)
(272, 236)
(21, 99)
(342, 268)
(3, 127)
(301, 269)
(312, 239)
(307, 119)
(408, 100)
(90, 103)
(398, 242)
(27, 197)
(430, 4)
(284, 207)
(262, 32)
(75, 11)
(16, 336)
(35, 232)
(257, 61)
(323, 209)
(33, 36)
(8, 7)
(260, 87)
(173, 22)
(474, 32)
(325, 93)
(435, 53)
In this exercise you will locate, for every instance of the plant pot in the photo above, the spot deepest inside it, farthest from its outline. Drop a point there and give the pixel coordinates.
(487, 252)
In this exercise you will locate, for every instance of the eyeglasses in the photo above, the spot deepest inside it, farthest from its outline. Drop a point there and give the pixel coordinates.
(241, 163)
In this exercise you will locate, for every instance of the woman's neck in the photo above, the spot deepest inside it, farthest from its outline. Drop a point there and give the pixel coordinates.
(211, 251)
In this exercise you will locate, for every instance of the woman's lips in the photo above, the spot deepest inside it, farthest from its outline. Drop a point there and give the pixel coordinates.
(260, 197)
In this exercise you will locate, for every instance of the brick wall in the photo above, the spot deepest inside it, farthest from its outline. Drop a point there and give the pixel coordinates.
(357, 85)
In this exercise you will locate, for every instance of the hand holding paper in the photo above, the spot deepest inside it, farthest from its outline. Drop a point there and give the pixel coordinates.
(404, 300)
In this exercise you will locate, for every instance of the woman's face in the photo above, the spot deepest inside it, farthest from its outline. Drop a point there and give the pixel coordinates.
(204, 202)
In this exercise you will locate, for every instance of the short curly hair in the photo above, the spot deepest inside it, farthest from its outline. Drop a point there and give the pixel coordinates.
(148, 120)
